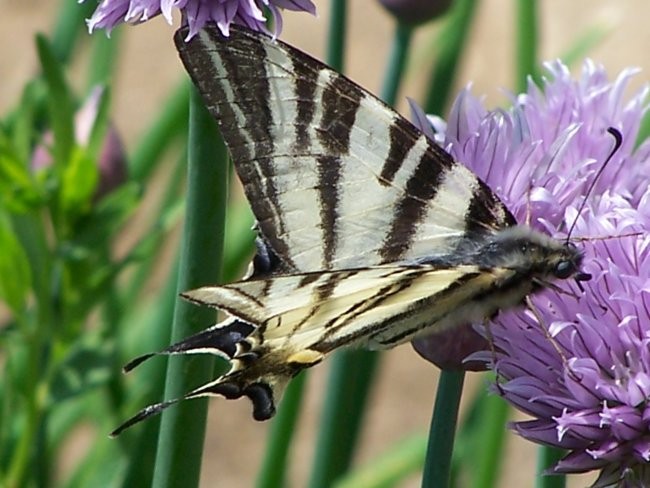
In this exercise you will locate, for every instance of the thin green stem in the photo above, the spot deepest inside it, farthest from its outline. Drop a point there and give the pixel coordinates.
(171, 122)
(151, 240)
(391, 468)
(347, 393)
(526, 43)
(336, 34)
(546, 458)
(182, 428)
(68, 26)
(273, 472)
(396, 62)
(104, 57)
(491, 441)
(451, 44)
(437, 466)
(142, 452)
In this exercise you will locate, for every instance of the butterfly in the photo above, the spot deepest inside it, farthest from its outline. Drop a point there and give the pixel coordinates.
(369, 233)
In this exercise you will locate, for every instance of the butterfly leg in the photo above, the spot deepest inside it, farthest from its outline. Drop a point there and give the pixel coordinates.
(540, 321)
(490, 339)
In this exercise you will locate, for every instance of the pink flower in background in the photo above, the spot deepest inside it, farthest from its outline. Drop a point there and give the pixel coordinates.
(111, 162)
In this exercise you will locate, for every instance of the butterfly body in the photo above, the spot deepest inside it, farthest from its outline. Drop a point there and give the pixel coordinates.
(369, 233)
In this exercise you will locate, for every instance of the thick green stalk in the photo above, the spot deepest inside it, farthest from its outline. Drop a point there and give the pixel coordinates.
(526, 43)
(437, 466)
(546, 458)
(451, 44)
(182, 427)
(490, 442)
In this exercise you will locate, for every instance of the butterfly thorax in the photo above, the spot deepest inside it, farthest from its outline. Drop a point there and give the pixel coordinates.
(531, 254)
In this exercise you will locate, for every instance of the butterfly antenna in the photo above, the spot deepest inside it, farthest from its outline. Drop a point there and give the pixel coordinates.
(618, 141)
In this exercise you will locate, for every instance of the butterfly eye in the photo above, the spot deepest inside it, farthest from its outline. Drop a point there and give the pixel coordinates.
(564, 269)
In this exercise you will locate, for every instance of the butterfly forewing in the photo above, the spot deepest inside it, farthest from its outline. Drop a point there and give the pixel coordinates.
(336, 179)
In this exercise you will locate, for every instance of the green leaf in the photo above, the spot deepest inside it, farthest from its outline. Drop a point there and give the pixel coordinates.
(78, 183)
(107, 216)
(15, 278)
(586, 42)
(450, 45)
(100, 123)
(19, 191)
(60, 103)
(87, 365)
(23, 133)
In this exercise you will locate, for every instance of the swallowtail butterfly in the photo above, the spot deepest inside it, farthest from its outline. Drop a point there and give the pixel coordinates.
(370, 234)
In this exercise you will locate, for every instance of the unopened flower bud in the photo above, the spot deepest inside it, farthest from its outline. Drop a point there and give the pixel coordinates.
(416, 12)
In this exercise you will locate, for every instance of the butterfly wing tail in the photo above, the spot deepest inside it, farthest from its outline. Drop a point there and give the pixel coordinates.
(220, 339)
(260, 375)
(259, 370)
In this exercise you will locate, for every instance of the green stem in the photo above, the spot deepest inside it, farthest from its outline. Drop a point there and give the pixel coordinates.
(182, 427)
(491, 440)
(151, 241)
(396, 62)
(104, 56)
(142, 452)
(546, 458)
(273, 472)
(526, 43)
(347, 393)
(391, 468)
(171, 122)
(452, 43)
(437, 466)
(69, 24)
(336, 34)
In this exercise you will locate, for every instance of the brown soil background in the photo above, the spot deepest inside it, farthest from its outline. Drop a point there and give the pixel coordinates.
(149, 68)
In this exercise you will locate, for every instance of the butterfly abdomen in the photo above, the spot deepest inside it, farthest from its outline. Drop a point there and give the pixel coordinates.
(262, 375)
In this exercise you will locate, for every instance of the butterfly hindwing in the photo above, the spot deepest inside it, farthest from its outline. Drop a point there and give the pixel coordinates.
(336, 179)
(323, 311)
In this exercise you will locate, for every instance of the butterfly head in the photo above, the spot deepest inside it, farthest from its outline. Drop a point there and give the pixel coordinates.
(565, 262)
(534, 254)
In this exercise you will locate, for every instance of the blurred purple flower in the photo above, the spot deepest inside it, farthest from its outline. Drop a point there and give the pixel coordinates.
(197, 13)
(588, 386)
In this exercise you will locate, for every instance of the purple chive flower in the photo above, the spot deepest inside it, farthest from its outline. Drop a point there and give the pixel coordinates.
(540, 155)
(583, 374)
(588, 387)
(197, 13)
